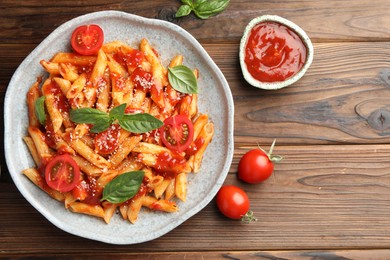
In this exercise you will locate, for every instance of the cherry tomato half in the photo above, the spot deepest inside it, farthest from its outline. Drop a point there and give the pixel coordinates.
(62, 173)
(233, 202)
(107, 141)
(177, 133)
(87, 39)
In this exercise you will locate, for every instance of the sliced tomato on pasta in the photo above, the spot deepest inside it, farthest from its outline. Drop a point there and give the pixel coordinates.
(177, 133)
(87, 39)
(62, 173)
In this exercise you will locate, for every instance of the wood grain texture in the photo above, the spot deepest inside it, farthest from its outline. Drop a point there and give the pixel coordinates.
(333, 20)
(341, 99)
(330, 196)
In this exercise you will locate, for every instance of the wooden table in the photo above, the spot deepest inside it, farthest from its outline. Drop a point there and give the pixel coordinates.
(330, 196)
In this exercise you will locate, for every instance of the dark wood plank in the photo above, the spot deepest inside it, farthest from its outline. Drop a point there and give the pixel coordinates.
(377, 254)
(31, 21)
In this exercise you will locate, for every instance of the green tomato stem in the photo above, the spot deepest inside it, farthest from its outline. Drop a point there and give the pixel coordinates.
(248, 217)
(273, 158)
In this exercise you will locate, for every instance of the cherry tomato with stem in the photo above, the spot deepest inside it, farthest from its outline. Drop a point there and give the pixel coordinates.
(87, 39)
(257, 165)
(62, 173)
(233, 202)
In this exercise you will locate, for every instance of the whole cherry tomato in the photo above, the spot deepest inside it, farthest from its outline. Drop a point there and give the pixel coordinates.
(233, 202)
(257, 165)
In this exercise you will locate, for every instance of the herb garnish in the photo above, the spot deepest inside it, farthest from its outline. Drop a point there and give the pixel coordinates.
(183, 79)
(40, 110)
(202, 8)
(123, 187)
(135, 123)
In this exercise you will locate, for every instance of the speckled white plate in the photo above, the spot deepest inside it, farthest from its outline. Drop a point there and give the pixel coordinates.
(214, 98)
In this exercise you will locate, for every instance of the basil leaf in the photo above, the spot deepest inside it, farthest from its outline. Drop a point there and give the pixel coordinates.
(40, 110)
(183, 79)
(210, 8)
(118, 112)
(139, 123)
(123, 187)
(88, 115)
(199, 2)
(101, 125)
(183, 10)
(188, 2)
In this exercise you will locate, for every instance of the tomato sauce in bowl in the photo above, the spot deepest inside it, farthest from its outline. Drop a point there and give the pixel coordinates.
(274, 52)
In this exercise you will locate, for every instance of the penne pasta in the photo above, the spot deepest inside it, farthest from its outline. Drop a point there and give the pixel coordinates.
(181, 186)
(94, 152)
(32, 95)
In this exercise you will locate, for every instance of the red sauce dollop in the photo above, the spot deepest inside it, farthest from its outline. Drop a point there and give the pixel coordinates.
(274, 52)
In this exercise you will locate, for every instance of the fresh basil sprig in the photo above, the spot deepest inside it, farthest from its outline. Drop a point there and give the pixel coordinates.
(135, 123)
(183, 79)
(40, 110)
(202, 8)
(123, 187)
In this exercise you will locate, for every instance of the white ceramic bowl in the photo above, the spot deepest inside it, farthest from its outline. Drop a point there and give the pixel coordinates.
(279, 84)
(170, 40)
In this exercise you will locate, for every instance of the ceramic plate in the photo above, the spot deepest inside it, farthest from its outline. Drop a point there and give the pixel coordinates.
(214, 98)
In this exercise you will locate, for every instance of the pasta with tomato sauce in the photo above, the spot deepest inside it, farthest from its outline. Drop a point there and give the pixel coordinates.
(113, 131)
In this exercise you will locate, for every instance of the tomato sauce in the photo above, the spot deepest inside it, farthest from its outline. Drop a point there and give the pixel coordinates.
(94, 192)
(195, 146)
(131, 58)
(274, 52)
(169, 165)
(60, 100)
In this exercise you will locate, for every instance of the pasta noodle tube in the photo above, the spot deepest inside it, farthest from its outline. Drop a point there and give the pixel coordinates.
(32, 96)
(39, 141)
(134, 208)
(200, 122)
(86, 166)
(151, 160)
(159, 72)
(181, 186)
(162, 205)
(33, 151)
(93, 210)
(207, 134)
(63, 84)
(177, 60)
(68, 72)
(160, 189)
(85, 151)
(35, 177)
(52, 68)
(50, 102)
(74, 59)
(90, 91)
(109, 210)
(126, 147)
(170, 191)
(77, 86)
